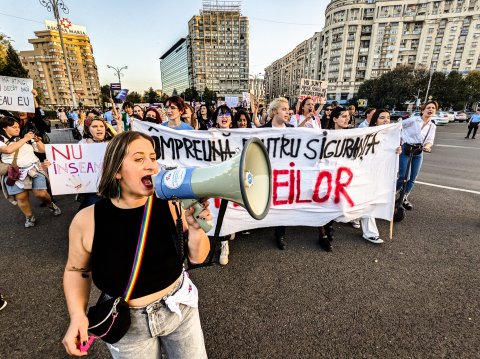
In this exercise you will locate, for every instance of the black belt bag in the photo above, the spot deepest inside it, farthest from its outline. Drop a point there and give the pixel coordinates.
(412, 149)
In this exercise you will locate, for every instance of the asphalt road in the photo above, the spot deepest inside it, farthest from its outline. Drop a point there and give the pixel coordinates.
(416, 296)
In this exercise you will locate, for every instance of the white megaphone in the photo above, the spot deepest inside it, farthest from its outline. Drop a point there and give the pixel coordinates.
(244, 179)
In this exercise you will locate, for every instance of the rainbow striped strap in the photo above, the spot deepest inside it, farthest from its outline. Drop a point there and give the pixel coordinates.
(142, 238)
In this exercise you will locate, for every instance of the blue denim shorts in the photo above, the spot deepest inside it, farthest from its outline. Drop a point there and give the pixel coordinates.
(155, 329)
(38, 182)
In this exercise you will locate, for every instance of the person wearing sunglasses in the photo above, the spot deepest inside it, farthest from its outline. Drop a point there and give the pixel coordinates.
(326, 117)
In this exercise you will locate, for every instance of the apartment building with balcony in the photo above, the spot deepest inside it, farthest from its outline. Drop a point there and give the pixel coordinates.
(282, 77)
(362, 39)
(218, 49)
(46, 65)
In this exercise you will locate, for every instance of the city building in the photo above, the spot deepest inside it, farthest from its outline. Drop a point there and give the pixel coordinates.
(282, 77)
(174, 68)
(363, 39)
(46, 65)
(218, 49)
(256, 87)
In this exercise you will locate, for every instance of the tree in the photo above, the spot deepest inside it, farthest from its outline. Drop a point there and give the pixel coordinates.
(191, 94)
(13, 66)
(472, 87)
(105, 94)
(134, 97)
(151, 96)
(40, 96)
(209, 96)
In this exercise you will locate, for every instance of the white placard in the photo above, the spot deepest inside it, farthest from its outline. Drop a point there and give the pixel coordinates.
(75, 168)
(231, 101)
(16, 94)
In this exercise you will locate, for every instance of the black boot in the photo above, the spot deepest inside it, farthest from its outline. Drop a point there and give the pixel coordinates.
(325, 243)
(281, 243)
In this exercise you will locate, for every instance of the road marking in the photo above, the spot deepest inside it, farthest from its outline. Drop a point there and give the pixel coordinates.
(446, 187)
(475, 148)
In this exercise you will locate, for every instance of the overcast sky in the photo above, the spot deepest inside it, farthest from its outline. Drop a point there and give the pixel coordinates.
(136, 33)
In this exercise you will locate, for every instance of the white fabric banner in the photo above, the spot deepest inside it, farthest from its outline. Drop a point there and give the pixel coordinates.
(317, 175)
(16, 94)
(75, 168)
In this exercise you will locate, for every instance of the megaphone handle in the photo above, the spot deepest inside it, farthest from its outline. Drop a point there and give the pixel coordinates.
(187, 203)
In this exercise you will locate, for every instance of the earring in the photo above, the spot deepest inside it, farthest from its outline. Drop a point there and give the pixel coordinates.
(118, 191)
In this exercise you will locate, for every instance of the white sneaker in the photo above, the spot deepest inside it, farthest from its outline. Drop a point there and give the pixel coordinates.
(29, 221)
(355, 223)
(375, 239)
(224, 253)
(232, 236)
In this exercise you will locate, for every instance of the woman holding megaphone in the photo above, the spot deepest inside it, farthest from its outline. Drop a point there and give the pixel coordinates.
(133, 258)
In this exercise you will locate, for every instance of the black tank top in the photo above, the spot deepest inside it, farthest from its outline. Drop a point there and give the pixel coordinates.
(115, 242)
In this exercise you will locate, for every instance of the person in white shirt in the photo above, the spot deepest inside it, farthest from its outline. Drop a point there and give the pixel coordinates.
(305, 116)
(31, 176)
(368, 113)
(418, 134)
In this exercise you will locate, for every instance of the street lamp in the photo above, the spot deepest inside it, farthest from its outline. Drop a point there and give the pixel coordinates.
(54, 5)
(432, 70)
(118, 71)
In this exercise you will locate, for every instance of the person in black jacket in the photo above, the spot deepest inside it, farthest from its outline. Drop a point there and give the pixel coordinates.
(278, 111)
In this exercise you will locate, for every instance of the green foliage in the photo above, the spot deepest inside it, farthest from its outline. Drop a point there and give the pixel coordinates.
(105, 94)
(151, 96)
(191, 94)
(13, 66)
(134, 97)
(40, 96)
(404, 83)
(209, 96)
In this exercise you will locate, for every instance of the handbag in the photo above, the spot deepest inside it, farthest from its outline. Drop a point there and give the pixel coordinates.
(13, 172)
(109, 320)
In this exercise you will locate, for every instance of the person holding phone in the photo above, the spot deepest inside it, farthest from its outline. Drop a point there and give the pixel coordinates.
(306, 116)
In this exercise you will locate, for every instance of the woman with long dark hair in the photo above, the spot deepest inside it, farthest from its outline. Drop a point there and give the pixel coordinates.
(32, 177)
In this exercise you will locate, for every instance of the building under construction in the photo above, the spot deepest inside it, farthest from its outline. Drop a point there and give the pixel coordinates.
(218, 48)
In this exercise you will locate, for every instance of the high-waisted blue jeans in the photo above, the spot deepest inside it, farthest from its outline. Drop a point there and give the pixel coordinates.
(155, 328)
(414, 170)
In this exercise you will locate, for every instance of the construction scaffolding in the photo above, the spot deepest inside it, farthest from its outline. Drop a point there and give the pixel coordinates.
(220, 6)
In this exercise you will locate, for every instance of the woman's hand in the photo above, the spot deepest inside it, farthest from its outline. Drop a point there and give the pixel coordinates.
(205, 215)
(29, 136)
(428, 148)
(76, 334)
(398, 150)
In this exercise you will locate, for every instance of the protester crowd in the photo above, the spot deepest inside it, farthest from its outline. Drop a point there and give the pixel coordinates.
(125, 189)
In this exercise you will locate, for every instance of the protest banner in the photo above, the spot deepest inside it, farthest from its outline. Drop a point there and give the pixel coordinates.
(317, 175)
(75, 168)
(16, 94)
(313, 88)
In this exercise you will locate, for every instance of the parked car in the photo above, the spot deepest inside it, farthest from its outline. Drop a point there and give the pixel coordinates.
(439, 118)
(460, 116)
(451, 115)
(399, 115)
